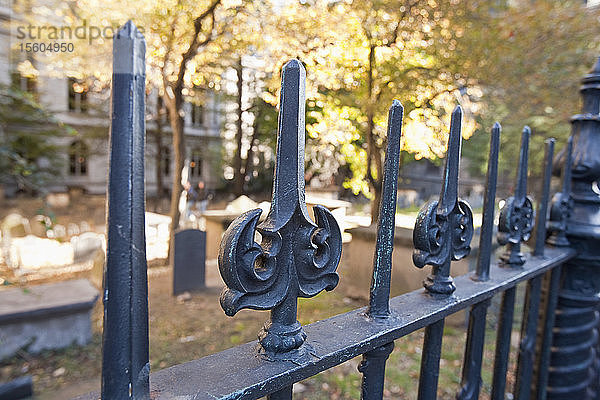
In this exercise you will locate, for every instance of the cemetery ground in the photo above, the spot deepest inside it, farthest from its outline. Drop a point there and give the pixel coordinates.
(188, 327)
(193, 325)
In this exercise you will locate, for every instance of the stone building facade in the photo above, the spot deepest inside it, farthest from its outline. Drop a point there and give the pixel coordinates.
(85, 164)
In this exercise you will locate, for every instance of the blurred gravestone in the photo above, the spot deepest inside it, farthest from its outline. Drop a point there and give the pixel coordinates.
(86, 245)
(38, 225)
(189, 261)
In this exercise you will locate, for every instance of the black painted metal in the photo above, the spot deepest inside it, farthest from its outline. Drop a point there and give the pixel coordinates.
(444, 228)
(562, 204)
(546, 333)
(17, 389)
(525, 373)
(372, 367)
(542, 214)
(516, 217)
(238, 373)
(471, 373)
(507, 310)
(283, 394)
(297, 257)
(382, 262)
(430, 360)
(526, 360)
(443, 232)
(574, 358)
(489, 201)
(125, 367)
(373, 364)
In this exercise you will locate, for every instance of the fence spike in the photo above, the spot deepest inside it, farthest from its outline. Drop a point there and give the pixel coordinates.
(444, 228)
(125, 367)
(382, 262)
(482, 272)
(297, 257)
(521, 184)
(562, 203)
(540, 233)
(517, 215)
(288, 185)
(449, 193)
(503, 338)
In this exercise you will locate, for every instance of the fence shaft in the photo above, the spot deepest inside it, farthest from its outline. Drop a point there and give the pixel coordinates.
(507, 310)
(125, 367)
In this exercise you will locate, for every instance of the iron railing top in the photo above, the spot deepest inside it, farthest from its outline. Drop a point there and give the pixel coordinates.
(336, 339)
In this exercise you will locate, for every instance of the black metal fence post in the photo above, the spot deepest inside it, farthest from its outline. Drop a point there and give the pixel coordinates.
(471, 373)
(373, 364)
(125, 367)
(549, 285)
(573, 372)
(297, 257)
(515, 224)
(443, 233)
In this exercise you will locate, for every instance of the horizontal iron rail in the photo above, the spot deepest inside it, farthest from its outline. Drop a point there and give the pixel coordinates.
(337, 339)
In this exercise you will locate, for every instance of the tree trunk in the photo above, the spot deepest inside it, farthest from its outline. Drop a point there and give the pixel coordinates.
(174, 106)
(373, 152)
(160, 186)
(248, 165)
(239, 175)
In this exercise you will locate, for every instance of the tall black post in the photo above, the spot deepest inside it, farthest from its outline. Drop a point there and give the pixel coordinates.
(573, 372)
(125, 367)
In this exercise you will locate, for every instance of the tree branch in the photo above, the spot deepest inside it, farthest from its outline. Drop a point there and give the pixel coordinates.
(196, 43)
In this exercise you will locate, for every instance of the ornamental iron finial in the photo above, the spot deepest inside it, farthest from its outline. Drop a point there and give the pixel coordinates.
(517, 215)
(296, 257)
(585, 165)
(482, 272)
(562, 204)
(444, 227)
(379, 298)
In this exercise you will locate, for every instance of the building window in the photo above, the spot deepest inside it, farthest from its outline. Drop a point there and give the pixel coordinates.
(197, 115)
(78, 158)
(196, 164)
(77, 96)
(165, 161)
(23, 83)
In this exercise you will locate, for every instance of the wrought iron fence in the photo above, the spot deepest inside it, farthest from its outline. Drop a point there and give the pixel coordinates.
(297, 257)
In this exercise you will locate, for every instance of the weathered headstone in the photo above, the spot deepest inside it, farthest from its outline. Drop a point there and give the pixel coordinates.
(189, 261)
(72, 229)
(38, 225)
(85, 245)
(58, 200)
(45, 317)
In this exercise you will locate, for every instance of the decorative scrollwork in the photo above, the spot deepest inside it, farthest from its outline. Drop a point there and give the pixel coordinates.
(515, 222)
(296, 257)
(562, 204)
(444, 228)
(248, 270)
(433, 246)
